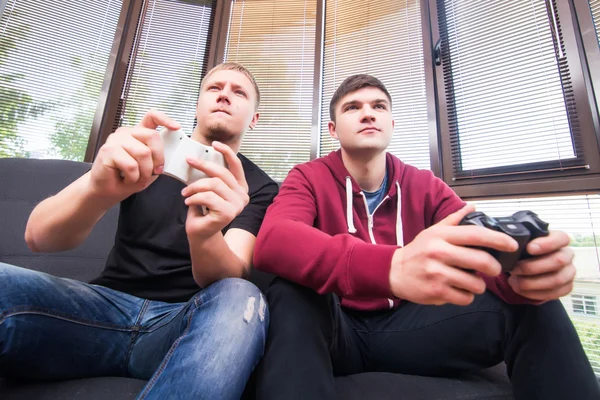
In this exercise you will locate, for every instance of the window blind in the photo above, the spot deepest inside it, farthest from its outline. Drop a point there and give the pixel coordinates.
(595, 8)
(168, 61)
(275, 40)
(53, 56)
(507, 88)
(579, 216)
(383, 39)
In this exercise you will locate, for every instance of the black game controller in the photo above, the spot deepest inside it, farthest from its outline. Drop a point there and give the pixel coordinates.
(523, 226)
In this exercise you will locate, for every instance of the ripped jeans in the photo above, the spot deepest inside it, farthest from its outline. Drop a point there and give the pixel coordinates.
(54, 328)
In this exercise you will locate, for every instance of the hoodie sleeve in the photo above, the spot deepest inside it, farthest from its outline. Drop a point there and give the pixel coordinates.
(449, 202)
(443, 201)
(288, 245)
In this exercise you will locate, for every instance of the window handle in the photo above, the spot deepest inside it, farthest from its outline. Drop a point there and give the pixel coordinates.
(437, 52)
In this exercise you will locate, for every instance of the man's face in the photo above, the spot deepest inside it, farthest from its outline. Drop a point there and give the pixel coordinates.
(226, 106)
(363, 121)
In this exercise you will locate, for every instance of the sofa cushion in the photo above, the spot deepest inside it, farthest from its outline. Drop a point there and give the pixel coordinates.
(26, 182)
(484, 385)
(89, 389)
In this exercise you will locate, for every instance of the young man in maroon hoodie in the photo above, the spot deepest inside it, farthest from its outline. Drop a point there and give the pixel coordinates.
(374, 275)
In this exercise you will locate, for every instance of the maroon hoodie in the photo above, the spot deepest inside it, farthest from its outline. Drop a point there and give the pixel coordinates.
(318, 231)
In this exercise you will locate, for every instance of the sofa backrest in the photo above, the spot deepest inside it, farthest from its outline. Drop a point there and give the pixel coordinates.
(26, 182)
(23, 184)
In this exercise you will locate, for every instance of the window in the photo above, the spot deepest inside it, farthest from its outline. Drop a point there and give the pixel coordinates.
(53, 57)
(275, 40)
(588, 17)
(579, 216)
(168, 61)
(509, 104)
(585, 305)
(383, 39)
(595, 9)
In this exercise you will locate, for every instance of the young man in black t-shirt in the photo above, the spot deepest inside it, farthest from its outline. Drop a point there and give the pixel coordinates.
(170, 306)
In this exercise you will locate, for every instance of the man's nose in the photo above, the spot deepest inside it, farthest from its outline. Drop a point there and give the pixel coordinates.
(367, 114)
(224, 96)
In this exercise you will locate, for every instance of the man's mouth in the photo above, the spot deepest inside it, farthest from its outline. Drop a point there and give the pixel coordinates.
(221, 111)
(369, 128)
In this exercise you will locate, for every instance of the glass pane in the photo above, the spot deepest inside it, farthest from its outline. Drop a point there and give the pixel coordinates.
(386, 42)
(579, 216)
(170, 61)
(275, 40)
(53, 57)
(595, 9)
(507, 89)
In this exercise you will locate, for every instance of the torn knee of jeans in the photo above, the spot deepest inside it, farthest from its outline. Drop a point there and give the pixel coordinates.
(262, 308)
(249, 313)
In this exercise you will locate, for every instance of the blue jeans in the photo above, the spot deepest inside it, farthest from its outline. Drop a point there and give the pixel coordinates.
(54, 328)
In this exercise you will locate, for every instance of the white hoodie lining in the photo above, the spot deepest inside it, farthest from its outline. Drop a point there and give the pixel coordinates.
(350, 214)
(349, 218)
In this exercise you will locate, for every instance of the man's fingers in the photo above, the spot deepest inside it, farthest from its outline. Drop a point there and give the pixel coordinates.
(154, 118)
(141, 154)
(544, 264)
(463, 257)
(208, 199)
(478, 236)
(213, 202)
(548, 244)
(151, 138)
(233, 162)
(455, 218)
(216, 171)
(543, 282)
(545, 295)
(125, 164)
(466, 281)
(459, 297)
(215, 185)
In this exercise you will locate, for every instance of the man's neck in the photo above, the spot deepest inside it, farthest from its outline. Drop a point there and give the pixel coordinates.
(199, 136)
(368, 171)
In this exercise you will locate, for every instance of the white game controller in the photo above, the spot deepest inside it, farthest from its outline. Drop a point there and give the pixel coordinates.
(177, 146)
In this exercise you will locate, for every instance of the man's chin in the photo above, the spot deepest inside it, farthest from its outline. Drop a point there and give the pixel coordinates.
(220, 133)
(367, 149)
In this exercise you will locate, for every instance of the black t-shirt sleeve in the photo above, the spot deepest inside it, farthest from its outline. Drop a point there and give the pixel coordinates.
(251, 217)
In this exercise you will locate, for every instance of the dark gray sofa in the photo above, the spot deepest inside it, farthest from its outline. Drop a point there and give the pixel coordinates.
(23, 183)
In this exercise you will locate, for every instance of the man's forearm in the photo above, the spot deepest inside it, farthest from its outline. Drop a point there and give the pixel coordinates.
(64, 221)
(212, 260)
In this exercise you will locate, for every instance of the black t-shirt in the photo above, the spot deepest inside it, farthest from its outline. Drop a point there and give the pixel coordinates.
(151, 255)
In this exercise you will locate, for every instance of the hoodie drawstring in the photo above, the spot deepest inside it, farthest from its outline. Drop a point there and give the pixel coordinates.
(350, 218)
(399, 230)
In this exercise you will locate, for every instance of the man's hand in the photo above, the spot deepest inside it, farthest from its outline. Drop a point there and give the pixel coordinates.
(225, 194)
(131, 159)
(436, 267)
(550, 274)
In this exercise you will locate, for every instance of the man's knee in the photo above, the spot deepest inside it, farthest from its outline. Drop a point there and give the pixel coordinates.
(298, 310)
(238, 307)
(292, 294)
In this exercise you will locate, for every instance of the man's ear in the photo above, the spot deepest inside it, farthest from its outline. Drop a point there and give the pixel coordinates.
(254, 120)
(332, 131)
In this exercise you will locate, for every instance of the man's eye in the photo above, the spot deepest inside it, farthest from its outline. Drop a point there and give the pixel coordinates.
(381, 106)
(351, 108)
(241, 93)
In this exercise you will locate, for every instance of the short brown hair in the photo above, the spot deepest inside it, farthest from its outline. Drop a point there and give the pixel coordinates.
(351, 85)
(232, 66)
